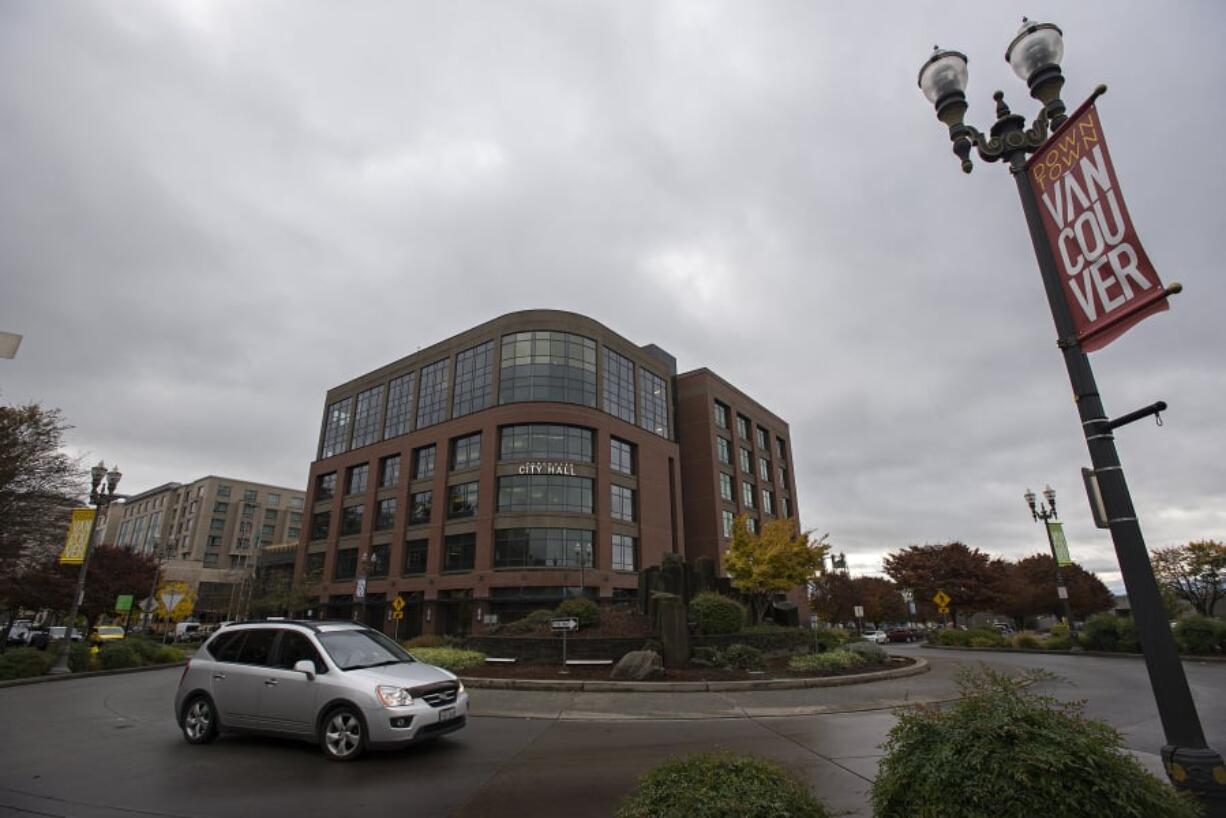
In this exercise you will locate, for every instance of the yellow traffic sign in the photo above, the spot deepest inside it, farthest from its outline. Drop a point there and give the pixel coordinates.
(942, 610)
(398, 604)
(942, 599)
(397, 614)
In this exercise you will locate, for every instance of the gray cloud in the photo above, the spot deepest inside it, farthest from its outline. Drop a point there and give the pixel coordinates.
(212, 212)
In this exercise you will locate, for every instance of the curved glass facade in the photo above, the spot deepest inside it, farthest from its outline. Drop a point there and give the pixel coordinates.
(548, 366)
(545, 493)
(541, 441)
(542, 548)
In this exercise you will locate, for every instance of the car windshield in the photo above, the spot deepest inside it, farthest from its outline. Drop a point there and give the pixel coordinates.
(357, 649)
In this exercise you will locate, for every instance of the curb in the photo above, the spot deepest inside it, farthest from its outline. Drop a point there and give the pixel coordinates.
(1105, 654)
(921, 666)
(89, 674)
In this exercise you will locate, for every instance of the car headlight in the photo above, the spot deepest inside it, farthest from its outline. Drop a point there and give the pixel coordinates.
(393, 696)
(461, 689)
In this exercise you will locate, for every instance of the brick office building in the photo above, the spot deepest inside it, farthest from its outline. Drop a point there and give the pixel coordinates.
(507, 467)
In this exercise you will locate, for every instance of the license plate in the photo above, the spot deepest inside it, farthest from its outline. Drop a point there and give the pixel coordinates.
(446, 714)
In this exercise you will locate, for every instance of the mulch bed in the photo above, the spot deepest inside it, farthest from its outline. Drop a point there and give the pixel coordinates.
(775, 669)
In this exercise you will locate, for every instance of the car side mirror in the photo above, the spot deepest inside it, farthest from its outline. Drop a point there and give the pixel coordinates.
(306, 666)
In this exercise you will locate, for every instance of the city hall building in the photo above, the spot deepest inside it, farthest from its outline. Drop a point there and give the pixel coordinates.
(537, 456)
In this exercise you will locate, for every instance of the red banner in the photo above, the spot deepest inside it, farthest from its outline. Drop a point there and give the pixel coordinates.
(1108, 281)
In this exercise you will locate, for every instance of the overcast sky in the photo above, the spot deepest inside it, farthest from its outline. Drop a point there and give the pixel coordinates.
(211, 212)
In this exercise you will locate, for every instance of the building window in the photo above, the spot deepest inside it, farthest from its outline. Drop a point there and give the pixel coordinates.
(623, 553)
(548, 366)
(653, 401)
(325, 486)
(399, 405)
(747, 494)
(250, 496)
(727, 518)
(213, 541)
(315, 565)
(385, 514)
(621, 456)
(542, 548)
(270, 515)
(553, 493)
(419, 511)
(223, 491)
(474, 375)
(725, 487)
(296, 502)
(210, 560)
(366, 420)
(216, 524)
(351, 520)
(357, 479)
(267, 532)
(321, 521)
(274, 499)
(783, 477)
(540, 441)
(459, 552)
(423, 462)
(723, 450)
(377, 565)
(746, 462)
(782, 447)
(292, 533)
(763, 440)
(346, 565)
(462, 500)
(622, 503)
(764, 469)
(742, 427)
(753, 525)
(618, 386)
(248, 511)
(295, 518)
(389, 471)
(415, 557)
(432, 398)
(466, 452)
(721, 415)
(768, 502)
(787, 507)
(221, 507)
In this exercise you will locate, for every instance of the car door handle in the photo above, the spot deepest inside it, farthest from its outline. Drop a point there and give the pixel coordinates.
(270, 682)
(217, 677)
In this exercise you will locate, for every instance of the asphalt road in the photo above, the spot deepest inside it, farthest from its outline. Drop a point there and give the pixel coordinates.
(109, 747)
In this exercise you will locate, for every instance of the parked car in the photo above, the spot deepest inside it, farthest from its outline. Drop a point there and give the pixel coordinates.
(107, 633)
(875, 636)
(342, 685)
(903, 635)
(18, 631)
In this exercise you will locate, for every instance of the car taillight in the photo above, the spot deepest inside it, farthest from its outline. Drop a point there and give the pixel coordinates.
(186, 668)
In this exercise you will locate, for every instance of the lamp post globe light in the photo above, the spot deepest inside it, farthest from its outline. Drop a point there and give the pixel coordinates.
(1035, 55)
(100, 496)
(1046, 511)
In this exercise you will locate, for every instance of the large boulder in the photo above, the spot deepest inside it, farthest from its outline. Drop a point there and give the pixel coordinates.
(638, 666)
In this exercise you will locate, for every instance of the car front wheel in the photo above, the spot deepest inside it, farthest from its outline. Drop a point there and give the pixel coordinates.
(343, 737)
(199, 721)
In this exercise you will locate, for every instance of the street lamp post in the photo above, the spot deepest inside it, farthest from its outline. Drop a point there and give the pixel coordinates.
(1047, 512)
(100, 497)
(1035, 55)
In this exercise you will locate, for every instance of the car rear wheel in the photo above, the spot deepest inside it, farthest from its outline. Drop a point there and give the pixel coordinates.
(343, 737)
(199, 721)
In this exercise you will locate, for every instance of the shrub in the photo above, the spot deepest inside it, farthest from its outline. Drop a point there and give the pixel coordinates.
(1101, 632)
(532, 622)
(583, 609)
(118, 655)
(741, 657)
(832, 661)
(453, 659)
(831, 638)
(986, 637)
(1199, 634)
(1026, 641)
(952, 637)
(716, 614)
(719, 785)
(1129, 643)
(1058, 643)
(872, 654)
(1007, 752)
(81, 658)
(18, 663)
(426, 640)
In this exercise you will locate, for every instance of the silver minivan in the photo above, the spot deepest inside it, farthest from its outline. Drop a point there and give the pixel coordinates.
(343, 685)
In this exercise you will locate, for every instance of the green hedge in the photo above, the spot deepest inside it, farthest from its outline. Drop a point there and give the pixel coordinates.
(832, 661)
(1010, 753)
(720, 785)
(871, 653)
(18, 663)
(714, 613)
(583, 609)
(740, 657)
(1026, 641)
(1200, 635)
(453, 659)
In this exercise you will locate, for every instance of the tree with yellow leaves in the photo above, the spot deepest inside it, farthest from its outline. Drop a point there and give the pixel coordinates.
(777, 560)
